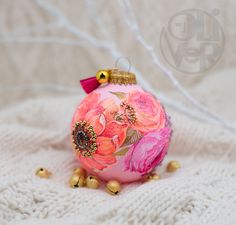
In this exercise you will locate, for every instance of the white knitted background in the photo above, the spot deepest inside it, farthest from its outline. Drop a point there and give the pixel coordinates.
(35, 134)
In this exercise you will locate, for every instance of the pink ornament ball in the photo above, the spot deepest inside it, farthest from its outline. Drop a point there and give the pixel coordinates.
(120, 132)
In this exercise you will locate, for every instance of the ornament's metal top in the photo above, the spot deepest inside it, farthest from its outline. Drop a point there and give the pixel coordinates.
(116, 76)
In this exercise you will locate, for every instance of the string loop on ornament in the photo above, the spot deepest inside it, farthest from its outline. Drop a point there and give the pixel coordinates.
(123, 58)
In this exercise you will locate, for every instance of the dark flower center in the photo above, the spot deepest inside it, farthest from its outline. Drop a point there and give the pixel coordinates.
(84, 139)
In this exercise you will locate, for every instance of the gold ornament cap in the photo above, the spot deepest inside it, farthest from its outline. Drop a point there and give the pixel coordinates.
(116, 76)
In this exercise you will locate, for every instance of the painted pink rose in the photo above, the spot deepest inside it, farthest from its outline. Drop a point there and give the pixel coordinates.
(149, 113)
(148, 152)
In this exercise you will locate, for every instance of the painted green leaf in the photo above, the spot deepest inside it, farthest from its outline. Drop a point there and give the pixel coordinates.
(132, 136)
(120, 95)
(121, 152)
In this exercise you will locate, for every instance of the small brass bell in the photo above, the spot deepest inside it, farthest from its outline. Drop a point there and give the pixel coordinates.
(173, 166)
(92, 182)
(153, 176)
(113, 187)
(80, 171)
(43, 173)
(77, 181)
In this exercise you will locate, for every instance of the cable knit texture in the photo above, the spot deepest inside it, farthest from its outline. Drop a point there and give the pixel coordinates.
(35, 134)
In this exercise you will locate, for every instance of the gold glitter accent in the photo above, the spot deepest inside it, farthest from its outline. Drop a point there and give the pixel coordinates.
(116, 76)
(128, 114)
(121, 77)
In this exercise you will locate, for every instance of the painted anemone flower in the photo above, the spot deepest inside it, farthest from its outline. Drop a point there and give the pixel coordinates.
(144, 111)
(149, 151)
(95, 135)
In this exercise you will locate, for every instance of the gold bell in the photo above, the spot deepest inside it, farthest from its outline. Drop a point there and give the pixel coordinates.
(102, 76)
(76, 181)
(173, 166)
(113, 187)
(153, 176)
(80, 171)
(43, 173)
(92, 182)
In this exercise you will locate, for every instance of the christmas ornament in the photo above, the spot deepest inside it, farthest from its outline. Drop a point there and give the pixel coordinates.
(119, 131)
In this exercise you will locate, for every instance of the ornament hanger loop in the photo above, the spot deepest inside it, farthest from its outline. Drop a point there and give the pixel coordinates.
(126, 60)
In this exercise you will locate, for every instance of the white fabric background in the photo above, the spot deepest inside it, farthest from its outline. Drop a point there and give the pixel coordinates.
(40, 89)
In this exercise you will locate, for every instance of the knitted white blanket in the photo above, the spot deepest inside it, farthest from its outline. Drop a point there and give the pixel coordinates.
(35, 134)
